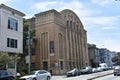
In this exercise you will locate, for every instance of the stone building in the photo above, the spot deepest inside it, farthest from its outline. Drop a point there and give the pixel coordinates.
(61, 42)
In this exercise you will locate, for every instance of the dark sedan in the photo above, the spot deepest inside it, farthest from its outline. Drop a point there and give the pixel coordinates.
(117, 71)
(6, 75)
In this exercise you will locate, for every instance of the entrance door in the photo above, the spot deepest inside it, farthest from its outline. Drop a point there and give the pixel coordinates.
(45, 65)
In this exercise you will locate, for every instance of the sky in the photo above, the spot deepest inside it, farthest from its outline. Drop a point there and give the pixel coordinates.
(100, 18)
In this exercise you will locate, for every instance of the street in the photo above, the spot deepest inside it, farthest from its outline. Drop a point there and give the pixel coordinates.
(108, 77)
(83, 77)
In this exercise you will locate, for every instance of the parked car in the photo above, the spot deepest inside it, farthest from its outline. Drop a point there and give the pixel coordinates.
(116, 71)
(6, 75)
(85, 70)
(94, 70)
(73, 72)
(104, 66)
(99, 69)
(37, 75)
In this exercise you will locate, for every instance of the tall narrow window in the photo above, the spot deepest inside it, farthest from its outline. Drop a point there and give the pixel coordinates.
(8, 42)
(61, 65)
(52, 48)
(8, 24)
(15, 43)
(33, 51)
(12, 43)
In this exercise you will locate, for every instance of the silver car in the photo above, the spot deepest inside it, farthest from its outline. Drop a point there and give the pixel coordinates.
(37, 75)
(73, 72)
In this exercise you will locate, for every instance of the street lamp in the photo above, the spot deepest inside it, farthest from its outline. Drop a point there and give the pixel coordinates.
(28, 40)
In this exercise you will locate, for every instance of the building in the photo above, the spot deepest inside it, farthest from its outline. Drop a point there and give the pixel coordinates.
(106, 56)
(94, 57)
(11, 30)
(103, 55)
(111, 55)
(61, 42)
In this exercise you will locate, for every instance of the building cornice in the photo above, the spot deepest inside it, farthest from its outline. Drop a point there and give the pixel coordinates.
(12, 10)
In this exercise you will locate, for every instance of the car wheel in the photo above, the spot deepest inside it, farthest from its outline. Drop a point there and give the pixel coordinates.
(34, 79)
(48, 78)
(114, 74)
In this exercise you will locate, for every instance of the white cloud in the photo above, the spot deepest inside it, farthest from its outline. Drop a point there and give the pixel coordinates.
(111, 44)
(101, 22)
(103, 31)
(74, 5)
(102, 2)
(44, 5)
(4, 1)
(28, 16)
(7, 1)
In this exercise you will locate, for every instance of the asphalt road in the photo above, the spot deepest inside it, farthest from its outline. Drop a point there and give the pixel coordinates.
(108, 77)
(82, 77)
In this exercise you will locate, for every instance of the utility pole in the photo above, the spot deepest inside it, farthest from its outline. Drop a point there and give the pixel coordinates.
(29, 42)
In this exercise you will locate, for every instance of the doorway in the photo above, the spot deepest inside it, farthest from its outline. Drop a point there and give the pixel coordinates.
(45, 65)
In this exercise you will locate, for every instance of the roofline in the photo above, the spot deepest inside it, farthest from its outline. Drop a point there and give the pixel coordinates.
(53, 10)
(11, 9)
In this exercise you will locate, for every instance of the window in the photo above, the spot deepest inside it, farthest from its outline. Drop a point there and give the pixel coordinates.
(33, 66)
(42, 72)
(51, 47)
(12, 24)
(61, 65)
(12, 43)
(33, 51)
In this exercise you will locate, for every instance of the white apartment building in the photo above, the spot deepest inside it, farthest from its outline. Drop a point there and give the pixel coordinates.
(11, 29)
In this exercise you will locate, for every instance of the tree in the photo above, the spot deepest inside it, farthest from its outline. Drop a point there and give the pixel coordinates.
(116, 59)
(22, 62)
(7, 60)
(4, 60)
(25, 34)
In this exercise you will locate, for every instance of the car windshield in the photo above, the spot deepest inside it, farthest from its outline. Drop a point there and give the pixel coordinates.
(32, 73)
(72, 70)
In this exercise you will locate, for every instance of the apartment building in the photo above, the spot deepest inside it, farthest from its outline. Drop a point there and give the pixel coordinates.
(61, 41)
(106, 56)
(11, 30)
(94, 56)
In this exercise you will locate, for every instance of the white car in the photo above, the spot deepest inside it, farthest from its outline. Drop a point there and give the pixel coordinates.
(99, 69)
(104, 66)
(94, 70)
(37, 75)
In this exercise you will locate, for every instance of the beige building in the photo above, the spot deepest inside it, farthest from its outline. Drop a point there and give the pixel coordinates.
(61, 41)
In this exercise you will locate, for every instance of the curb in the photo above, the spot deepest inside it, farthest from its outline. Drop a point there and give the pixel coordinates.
(99, 76)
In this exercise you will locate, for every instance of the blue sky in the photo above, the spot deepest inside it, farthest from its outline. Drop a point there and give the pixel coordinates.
(101, 18)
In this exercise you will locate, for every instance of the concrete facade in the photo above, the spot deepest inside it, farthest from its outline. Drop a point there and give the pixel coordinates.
(61, 42)
(94, 56)
(10, 15)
